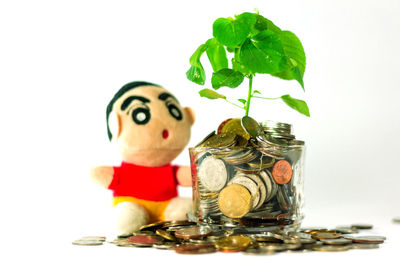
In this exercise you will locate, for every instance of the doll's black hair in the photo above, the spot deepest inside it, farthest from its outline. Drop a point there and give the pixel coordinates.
(127, 87)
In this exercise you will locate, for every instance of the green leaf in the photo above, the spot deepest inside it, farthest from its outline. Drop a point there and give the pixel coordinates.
(295, 57)
(196, 72)
(256, 92)
(196, 75)
(230, 49)
(242, 101)
(263, 24)
(296, 104)
(236, 65)
(216, 54)
(211, 94)
(263, 53)
(195, 58)
(232, 32)
(226, 77)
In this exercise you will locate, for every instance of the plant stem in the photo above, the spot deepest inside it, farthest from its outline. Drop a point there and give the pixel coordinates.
(249, 94)
(233, 103)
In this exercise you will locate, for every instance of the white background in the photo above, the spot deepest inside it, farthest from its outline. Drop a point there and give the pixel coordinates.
(62, 61)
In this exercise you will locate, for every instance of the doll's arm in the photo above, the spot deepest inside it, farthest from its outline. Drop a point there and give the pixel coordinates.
(184, 176)
(102, 175)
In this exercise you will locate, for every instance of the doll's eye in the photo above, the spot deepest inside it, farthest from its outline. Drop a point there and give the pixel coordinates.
(141, 116)
(174, 111)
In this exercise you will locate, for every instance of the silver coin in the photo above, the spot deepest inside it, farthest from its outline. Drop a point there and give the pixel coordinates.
(213, 174)
(261, 187)
(364, 246)
(366, 239)
(270, 183)
(250, 185)
(84, 242)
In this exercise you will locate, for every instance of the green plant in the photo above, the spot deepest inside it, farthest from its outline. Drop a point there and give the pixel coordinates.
(255, 46)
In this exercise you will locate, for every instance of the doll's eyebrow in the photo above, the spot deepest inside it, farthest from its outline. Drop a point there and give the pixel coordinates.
(129, 100)
(164, 96)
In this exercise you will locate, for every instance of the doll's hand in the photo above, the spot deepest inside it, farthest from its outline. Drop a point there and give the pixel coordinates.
(102, 175)
(184, 176)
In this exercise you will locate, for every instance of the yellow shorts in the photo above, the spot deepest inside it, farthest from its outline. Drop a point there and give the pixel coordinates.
(155, 209)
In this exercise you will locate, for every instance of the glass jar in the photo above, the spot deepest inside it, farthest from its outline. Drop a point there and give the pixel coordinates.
(259, 184)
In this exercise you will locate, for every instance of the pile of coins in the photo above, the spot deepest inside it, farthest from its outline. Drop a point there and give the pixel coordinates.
(186, 237)
(248, 173)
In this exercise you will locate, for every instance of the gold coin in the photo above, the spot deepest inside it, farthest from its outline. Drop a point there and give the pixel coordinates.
(233, 243)
(325, 235)
(221, 140)
(152, 226)
(328, 248)
(165, 235)
(235, 201)
(235, 126)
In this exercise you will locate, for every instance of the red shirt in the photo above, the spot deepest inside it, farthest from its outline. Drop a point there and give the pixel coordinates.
(148, 183)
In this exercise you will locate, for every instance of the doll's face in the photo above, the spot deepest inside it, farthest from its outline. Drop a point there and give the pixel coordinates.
(151, 128)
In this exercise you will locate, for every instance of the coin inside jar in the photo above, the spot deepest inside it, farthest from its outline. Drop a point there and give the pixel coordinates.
(221, 140)
(234, 126)
(235, 201)
(282, 172)
(250, 185)
(213, 174)
(252, 127)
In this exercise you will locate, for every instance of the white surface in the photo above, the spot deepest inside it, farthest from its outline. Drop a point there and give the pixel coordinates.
(61, 62)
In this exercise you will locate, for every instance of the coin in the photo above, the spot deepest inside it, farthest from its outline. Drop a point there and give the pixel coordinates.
(96, 238)
(327, 248)
(251, 126)
(235, 126)
(364, 246)
(367, 239)
(178, 223)
(250, 185)
(221, 140)
(312, 229)
(213, 174)
(279, 247)
(221, 125)
(282, 172)
(259, 251)
(362, 226)
(325, 235)
(85, 242)
(166, 235)
(151, 226)
(165, 245)
(193, 232)
(144, 240)
(346, 230)
(233, 243)
(205, 139)
(194, 249)
(234, 201)
(336, 241)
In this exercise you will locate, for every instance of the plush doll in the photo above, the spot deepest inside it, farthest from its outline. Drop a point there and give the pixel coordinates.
(150, 129)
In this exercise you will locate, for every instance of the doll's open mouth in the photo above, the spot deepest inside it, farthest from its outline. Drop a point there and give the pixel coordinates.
(165, 134)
